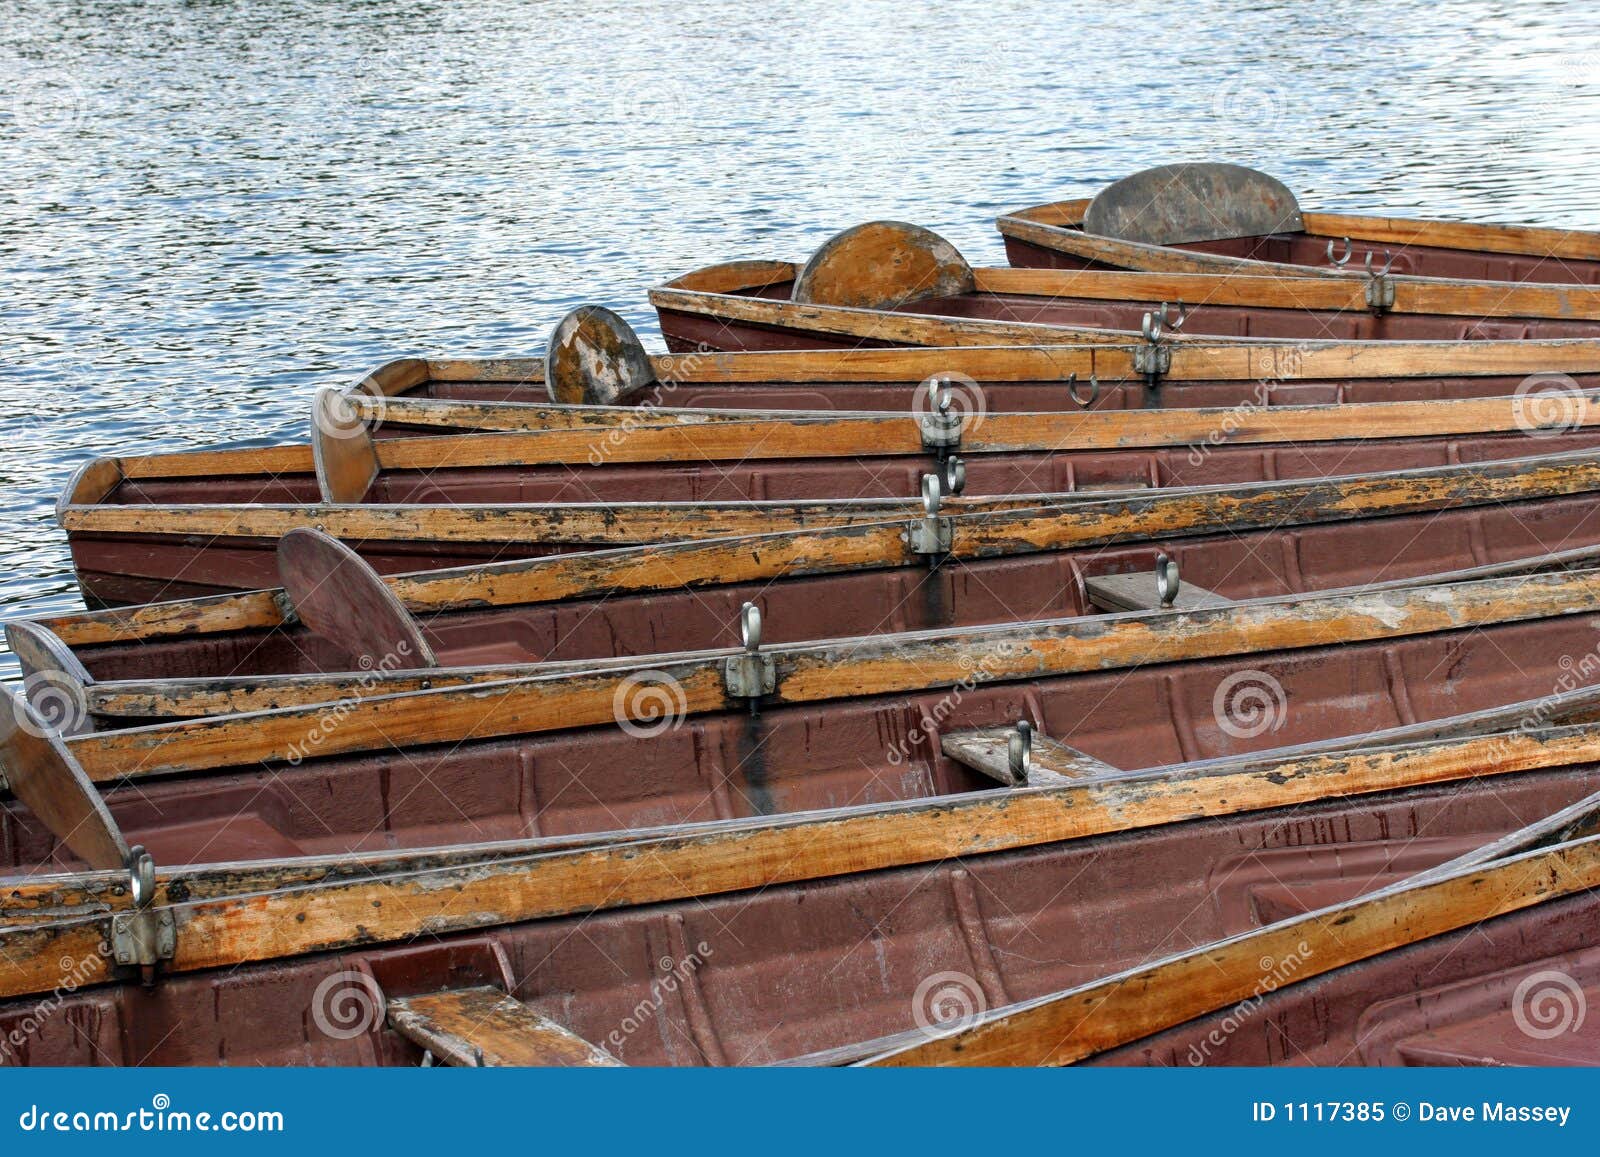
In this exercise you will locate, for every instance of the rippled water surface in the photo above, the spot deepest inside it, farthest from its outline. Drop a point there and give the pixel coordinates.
(210, 209)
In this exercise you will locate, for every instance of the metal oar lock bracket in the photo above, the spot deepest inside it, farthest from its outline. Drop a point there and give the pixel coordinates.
(1168, 584)
(1019, 751)
(933, 534)
(941, 427)
(750, 675)
(1380, 286)
(1154, 357)
(145, 936)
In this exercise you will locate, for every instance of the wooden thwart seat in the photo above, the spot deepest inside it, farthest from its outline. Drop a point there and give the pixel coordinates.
(483, 1028)
(1142, 592)
(1050, 762)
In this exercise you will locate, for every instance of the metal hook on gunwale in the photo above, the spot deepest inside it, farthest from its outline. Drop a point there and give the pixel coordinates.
(1019, 750)
(955, 475)
(1094, 390)
(750, 674)
(1342, 260)
(750, 628)
(1168, 583)
(141, 876)
(1388, 264)
(1159, 322)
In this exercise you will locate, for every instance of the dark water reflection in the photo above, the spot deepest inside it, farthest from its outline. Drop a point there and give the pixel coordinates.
(210, 209)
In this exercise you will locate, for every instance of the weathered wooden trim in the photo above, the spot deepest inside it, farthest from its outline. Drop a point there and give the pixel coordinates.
(1531, 240)
(905, 328)
(487, 1028)
(286, 919)
(1431, 295)
(588, 523)
(1058, 226)
(851, 435)
(1195, 359)
(90, 483)
(1080, 1022)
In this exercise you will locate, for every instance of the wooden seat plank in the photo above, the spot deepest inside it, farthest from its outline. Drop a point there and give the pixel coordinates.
(485, 1028)
(1138, 592)
(986, 749)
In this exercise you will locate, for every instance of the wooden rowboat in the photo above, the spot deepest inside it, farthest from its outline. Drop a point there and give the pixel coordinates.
(1483, 960)
(887, 283)
(420, 395)
(791, 942)
(602, 401)
(789, 728)
(1219, 218)
(165, 526)
(337, 630)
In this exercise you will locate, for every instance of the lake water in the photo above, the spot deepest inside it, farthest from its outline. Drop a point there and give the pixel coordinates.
(209, 210)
